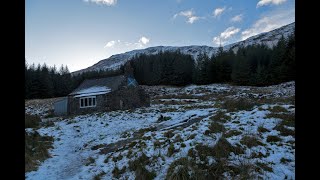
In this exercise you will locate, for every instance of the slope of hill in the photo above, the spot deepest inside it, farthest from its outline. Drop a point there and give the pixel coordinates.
(232, 132)
(268, 38)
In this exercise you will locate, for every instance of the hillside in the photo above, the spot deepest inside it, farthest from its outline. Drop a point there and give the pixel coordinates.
(215, 130)
(268, 38)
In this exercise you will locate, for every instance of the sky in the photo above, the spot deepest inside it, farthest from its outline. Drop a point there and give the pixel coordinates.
(80, 33)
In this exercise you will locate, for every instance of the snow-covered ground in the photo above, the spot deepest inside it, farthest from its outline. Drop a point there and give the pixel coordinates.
(84, 146)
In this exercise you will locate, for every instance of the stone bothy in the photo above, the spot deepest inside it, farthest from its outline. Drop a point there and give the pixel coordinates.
(106, 94)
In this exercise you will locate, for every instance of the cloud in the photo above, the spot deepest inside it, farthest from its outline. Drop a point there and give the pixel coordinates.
(237, 18)
(225, 35)
(217, 12)
(118, 44)
(110, 44)
(191, 18)
(103, 2)
(266, 2)
(270, 21)
(144, 40)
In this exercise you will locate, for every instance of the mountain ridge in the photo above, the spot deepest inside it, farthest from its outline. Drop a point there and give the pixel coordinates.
(269, 38)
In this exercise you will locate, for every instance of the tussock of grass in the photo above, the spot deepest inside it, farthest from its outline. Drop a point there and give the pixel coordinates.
(183, 169)
(141, 161)
(116, 172)
(132, 144)
(216, 127)
(251, 141)
(192, 153)
(97, 146)
(192, 136)
(243, 170)
(50, 114)
(273, 139)
(278, 109)
(98, 176)
(203, 151)
(144, 130)
(143, 173)
(47, 124)
(177, 96)
(261, 129)
(177, 139)
(288, 119)
(90, 160)
(146, 138)
(231, 133)
(220, 117)
(285, 160)
(36, 150)
(168, 134)
(138, 166)
(117, 158)
(238, 104)
(125, 134)
(258, 155)
(163, 118)
(157, 144)
(171, 150)
(264, 166)
(223, 148)
(197, 106)
(284, 131)
(31, 121)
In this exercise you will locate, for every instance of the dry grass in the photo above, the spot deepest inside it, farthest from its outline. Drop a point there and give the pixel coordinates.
(273, 139)
(98, 176)
(36, 150)
(116, 172)
(216, 128)
(278, 109)
(288, 119)
(138, 166)
(220, 116)
(31, 121)
(223, 148)
(175, 96)
(238, 104)
(231, 133)
(251, 141)
(183, 169)
(261, 129)
(284, 131)
(168, 134)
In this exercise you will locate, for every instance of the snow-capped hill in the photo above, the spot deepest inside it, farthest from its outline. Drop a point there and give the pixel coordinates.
(268, 38)
(115, 61)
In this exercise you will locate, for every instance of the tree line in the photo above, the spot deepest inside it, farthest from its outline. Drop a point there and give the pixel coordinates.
(255, 65)
(42, 81)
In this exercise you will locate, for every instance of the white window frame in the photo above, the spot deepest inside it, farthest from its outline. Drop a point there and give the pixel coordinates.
(88, 97)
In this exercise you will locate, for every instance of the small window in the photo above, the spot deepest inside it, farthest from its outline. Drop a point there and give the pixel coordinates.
(88, 102)
(81, 103)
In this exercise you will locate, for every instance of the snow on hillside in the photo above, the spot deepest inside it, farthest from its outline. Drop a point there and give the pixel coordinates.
(102, 144)
(41, 107)
(269, 38)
